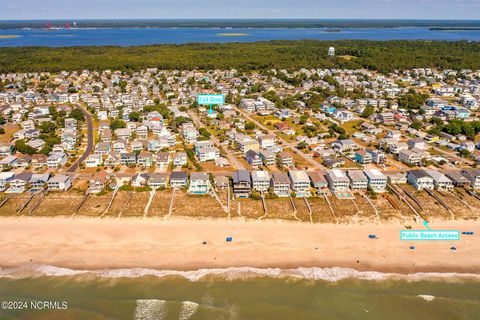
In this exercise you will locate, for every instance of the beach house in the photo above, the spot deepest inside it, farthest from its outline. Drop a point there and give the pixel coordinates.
(285, 158)
(363, 157)
(409, 157)
(5, 177)
(208, 154)
(128, 159)
(253, 158)
(337, 180)
(180, 159)
(162, 159)
(266, 141)
(93, 161)
(158, 180)
(440, 181)
(248, 144)
(299, 183)
(59, 182)
(199, 183)
(56, 160)
(242, 184)
(280, 184)
(358, 180)
(420, 179)
(19, 182)
(376, 180)
(260, 180)
(458, 179)
(267, 157)
(178, 179)
(145, 159)
(473, 175)
(38, 181)
(318, 181)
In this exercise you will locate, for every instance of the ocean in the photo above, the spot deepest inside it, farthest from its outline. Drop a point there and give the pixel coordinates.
(241, 293)
(148, 36)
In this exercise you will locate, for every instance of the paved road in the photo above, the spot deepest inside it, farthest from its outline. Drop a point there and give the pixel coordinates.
(89, 148)
(286, 143)
(231, 158)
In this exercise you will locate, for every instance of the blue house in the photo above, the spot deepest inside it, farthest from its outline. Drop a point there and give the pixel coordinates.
(361, 156)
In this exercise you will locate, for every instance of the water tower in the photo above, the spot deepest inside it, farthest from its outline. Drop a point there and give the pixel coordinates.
(331, 52)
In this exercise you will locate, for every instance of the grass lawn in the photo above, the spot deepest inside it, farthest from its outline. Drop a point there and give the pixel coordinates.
(349, 126)
(10, 129)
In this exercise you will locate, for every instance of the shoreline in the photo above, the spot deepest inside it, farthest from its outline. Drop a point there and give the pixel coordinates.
(177, 244)
(329, 274)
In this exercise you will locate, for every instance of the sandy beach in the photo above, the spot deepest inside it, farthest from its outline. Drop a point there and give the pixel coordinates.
(85, 243)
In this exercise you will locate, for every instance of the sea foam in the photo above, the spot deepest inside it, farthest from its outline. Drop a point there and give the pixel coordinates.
(426, 297)
(331, 274)
(150, 309)
(187, 310)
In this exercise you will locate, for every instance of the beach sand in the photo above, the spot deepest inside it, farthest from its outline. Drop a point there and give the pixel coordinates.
(85, 243)
(9, 36)
(232, 34)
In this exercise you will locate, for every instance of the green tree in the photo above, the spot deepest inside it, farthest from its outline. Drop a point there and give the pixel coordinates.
(48, 127)
(416, 124)
(464, 152)
(368, 111)
(302, 145)
(250, 125)
(383, 56)
(117, 124)
(412, 100)
(303, 119)
(204, 133)
(77, 114)
(24, 148)
(134, 116)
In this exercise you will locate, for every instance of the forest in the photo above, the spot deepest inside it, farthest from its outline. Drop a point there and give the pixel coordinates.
(242, 23)
(383, 56)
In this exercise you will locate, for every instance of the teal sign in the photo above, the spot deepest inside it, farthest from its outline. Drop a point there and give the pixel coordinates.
(209, 99)
(416, 235)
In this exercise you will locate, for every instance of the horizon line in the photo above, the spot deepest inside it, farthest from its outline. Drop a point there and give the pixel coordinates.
(219, 19)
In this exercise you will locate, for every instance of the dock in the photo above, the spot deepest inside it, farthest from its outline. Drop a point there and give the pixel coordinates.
(309, 209)
(26, 203)
(436, 197)
(149, 202)
(115, 191)
(130, 196)
(264, 205)
(79, 206)
(331, 208)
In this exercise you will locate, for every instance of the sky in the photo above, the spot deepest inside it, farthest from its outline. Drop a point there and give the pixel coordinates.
(240, 9)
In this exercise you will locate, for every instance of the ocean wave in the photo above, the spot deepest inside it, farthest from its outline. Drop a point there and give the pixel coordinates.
(188, 309)
(150, 309)
(427, 297)
(331, 274)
